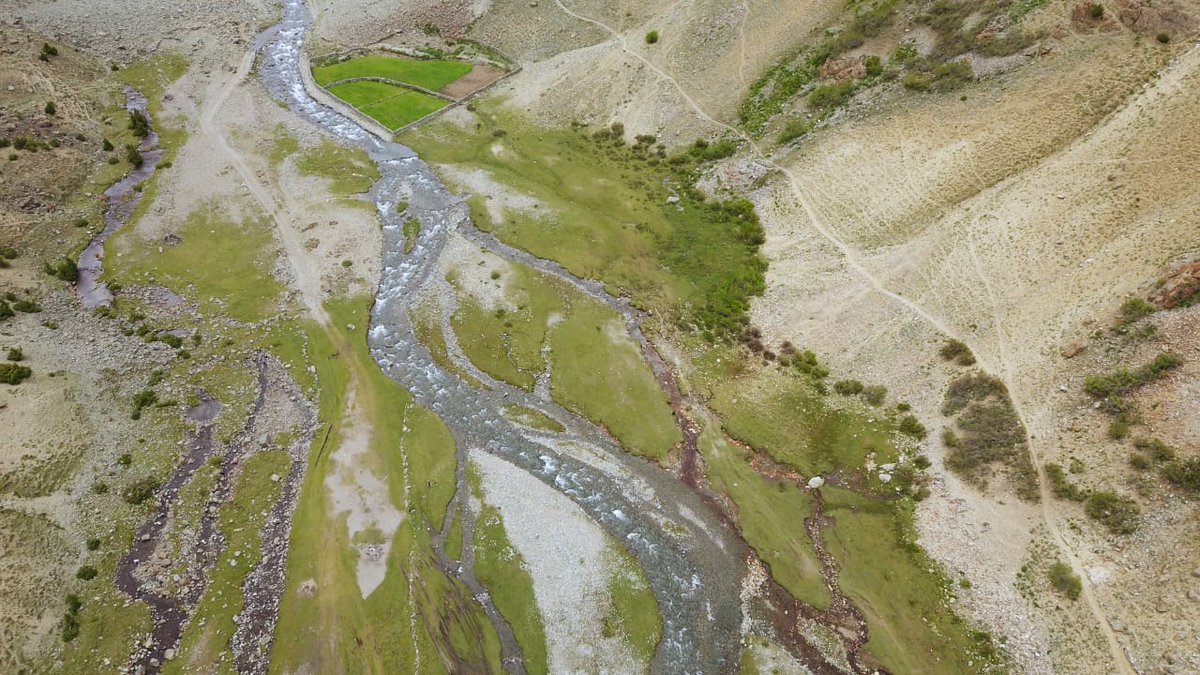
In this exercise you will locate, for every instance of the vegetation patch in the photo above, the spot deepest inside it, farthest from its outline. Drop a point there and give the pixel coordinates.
(534, 419)
(1122, 381)
(989, 432)
(1064, 581)
(635, 616)
(502, 569)
(627, 215)
(1119, 514)
(349, 170)
(225, 264)
(391, 106)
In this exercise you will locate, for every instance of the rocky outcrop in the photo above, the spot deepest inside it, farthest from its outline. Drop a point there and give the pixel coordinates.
(1178, 287)
(1151, 18)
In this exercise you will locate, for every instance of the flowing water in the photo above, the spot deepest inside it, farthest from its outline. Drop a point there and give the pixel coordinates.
(694, 566)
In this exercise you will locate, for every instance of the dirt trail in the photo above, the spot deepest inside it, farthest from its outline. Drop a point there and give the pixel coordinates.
(1171, 77)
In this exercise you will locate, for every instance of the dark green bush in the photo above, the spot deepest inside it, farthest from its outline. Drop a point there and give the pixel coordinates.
(141, 400)
(1119, 514)
(1097, 11)
(108, 146)
(911, 426)
(93, 544)
(27, 306)
(14, 374)
(50, 109)
(969, 387)
(1163, 38)
(1140, 462)
(133, 156)
(1155, 449)
(15, 354)
(1065, 581)
(138, 123)
(70, 627)
(958, 352)
(74, 604)
(49, 49)
(65, 270)
(139, 491)
(652, 37)
(87, 573)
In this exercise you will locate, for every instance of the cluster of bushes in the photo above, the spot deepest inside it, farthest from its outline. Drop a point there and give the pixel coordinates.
(27, 144)
(14, 373)
(70, 622)
(989, 432)
(140, 490)
(1151, 452)
(873, 394)
(1123, 381)
(142, 400)
(7, 253)
(1119, 514)
(948, 18)
(939, 77)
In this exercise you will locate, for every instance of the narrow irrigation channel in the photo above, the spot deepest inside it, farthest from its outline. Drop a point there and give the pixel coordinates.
(694, 565)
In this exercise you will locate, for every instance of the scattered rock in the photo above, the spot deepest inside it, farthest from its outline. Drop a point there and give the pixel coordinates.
(1073, 348)
(815, 482)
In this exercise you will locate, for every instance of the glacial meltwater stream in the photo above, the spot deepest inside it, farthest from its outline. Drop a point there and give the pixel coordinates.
(693, 564)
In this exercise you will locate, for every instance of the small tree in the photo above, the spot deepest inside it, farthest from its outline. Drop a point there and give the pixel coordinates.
(139, 123)
(1163, 38)
(50, 109)
(108, 146)
(652, 37)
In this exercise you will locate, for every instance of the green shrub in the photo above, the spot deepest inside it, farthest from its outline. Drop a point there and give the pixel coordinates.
(15, 354)
(27, 306)
(952, 75)
(108, 146)
(1119, 514)
(14, 374)
(1163, 38)
(911, 426)
(134, 156)
(1097, 11)
(875, 394)
(652, 37)
(87, 573)
(848, 387)
(65, 270)
(1134, 308)
(93, 544)
(1122, 381)
(1118, 429)
(1139, 461)
(874, 66)
(829, 96)
(1155, 449)
(49, 49)
(50, 109)
(1185, 473)
(969, 387)
(1061, 488)
(125, 459)
(74, 604)
(958, 352)
(6, 310)
(143, 399)
(1065, 581)
(138, 123)
(793, 129)
(917, 81)
(70, 627)
(139, 491)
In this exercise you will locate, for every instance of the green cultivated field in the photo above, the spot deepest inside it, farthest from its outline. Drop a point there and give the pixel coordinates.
(432, 75)
(388, 104)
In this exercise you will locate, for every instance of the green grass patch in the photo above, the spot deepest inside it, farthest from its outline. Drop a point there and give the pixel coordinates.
(501, 569)
(1064, 581)
(224, 264)
(429, 74)
(905, 597)
(1122, 381)
(786, 416)
(635, 616)
(412, 230)
(350, 170)
(590, 346)
(428, 329)
(762, 505)
(152, 76)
